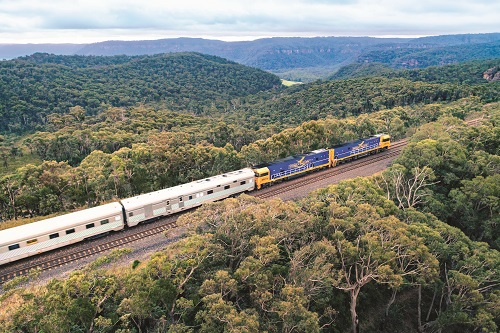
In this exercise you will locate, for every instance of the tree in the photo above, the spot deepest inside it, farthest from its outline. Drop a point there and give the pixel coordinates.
(291, 309)
(369, 245)
(221, 316)
(11, 186)
(381, 251)
(408, 188)
(476, 208)
(466, 295)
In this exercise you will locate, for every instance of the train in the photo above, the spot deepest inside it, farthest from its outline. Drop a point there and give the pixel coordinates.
(49, 234)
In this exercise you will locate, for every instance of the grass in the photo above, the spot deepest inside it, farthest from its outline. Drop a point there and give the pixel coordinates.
(15, 162)
(289, 83)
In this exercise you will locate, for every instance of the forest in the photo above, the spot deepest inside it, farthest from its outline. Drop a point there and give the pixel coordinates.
(469, 73)
(32, 88)
(412, 249)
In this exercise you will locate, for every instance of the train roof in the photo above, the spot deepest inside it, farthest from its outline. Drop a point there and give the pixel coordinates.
(289, 158)
(358, 140)
(58, 223)
(186, 189)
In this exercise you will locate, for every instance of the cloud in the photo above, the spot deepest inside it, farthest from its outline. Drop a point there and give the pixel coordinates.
(119, 18)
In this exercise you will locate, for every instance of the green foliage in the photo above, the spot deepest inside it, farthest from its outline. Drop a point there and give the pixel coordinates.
(252, 266)
(140, 150)
(353, 97)
(462, 184)
(112, 256)
(468, 283)
(182, 81)
(312, 266)
(425, 56)
(468, 73)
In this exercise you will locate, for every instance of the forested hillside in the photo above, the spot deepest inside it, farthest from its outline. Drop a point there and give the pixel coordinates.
(307, 59)
(381, 90)
(466, 73)
(425, 57)
(33, 88)
(412, 249)
(297, 59)
(361, 255)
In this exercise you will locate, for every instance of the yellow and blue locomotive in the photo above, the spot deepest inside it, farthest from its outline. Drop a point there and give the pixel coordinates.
(267, 173)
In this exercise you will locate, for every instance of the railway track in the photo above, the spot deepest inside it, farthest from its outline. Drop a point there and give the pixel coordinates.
(70, 254)
(78, 251)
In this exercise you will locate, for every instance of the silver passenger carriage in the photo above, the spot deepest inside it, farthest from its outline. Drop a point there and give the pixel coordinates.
(174, 199)
(37, 237)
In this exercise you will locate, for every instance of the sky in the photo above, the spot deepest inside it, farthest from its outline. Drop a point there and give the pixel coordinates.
(87, 21)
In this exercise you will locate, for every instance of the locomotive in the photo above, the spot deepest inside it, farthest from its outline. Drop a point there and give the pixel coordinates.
(45, 235)
(292, 166)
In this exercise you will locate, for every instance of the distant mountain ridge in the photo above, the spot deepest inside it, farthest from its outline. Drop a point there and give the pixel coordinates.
(286, 56)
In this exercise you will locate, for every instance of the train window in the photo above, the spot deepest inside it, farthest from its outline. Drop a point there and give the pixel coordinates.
(227, 187)
(106, 221)
(386, 139)
(210, 191)
(32, 241)
(13, 247)
(190, 197)
(243, 182)
(54, 235)
(70, 231)
(130, 214)
(90, 225)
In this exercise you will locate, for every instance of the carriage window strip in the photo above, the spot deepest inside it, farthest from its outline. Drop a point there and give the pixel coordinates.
(13, 247)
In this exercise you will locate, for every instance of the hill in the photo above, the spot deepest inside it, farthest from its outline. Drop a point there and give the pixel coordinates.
(425, 55)
(471, 72)
(36, 86)
(371, 87)
(297, 59)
